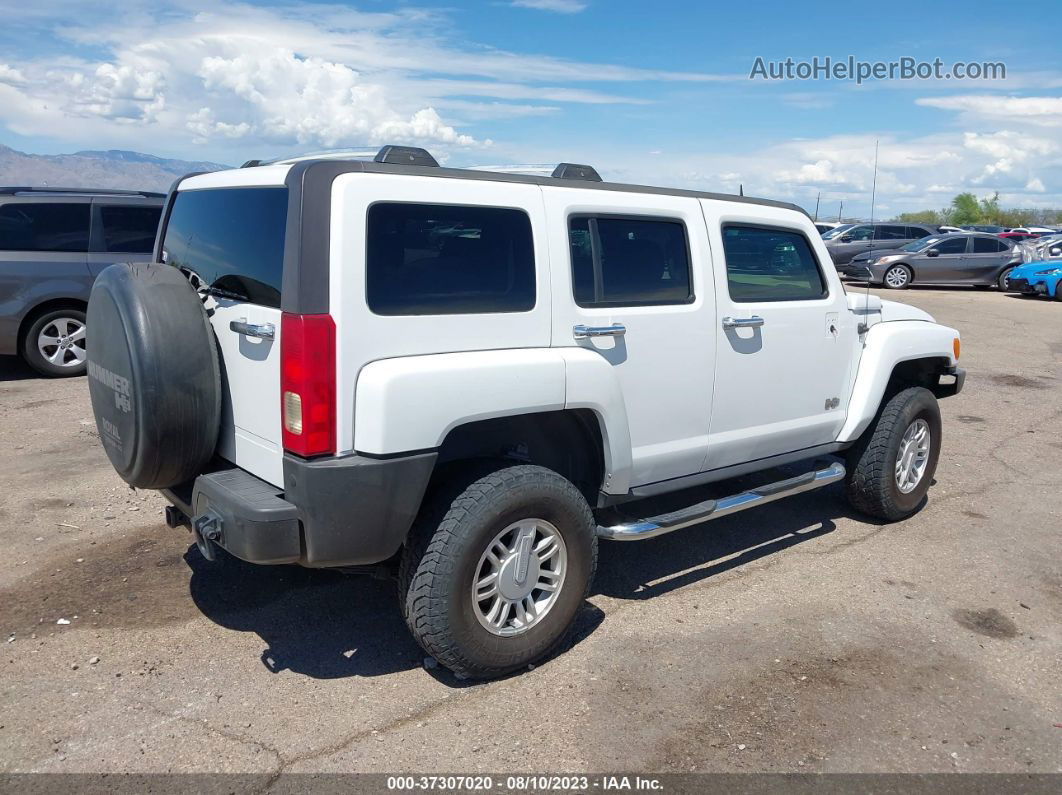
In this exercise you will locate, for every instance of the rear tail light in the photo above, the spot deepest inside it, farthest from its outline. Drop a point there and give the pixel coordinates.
(308, 383)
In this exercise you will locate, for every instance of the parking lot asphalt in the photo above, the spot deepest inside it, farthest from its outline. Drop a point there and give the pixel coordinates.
(796, 637)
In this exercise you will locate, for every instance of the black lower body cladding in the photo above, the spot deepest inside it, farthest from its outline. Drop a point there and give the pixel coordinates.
(153, 374)
(344, 511)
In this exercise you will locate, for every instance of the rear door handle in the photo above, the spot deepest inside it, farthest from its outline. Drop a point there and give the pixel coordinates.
(743, 322)
(265, 331)
(581, 332)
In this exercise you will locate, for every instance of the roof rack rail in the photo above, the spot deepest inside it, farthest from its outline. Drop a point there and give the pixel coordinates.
(14, 190)
(576, 171)
(406, 156)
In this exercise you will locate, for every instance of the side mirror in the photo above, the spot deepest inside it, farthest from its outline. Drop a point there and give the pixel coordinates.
(1056, 252)
(933, 252)
(846, 238)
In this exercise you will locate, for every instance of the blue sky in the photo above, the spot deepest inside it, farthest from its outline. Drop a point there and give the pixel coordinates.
(647, 93)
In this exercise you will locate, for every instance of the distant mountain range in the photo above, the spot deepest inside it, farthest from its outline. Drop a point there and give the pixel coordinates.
(113, 168)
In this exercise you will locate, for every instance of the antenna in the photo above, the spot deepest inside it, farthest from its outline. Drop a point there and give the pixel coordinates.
(864, 326)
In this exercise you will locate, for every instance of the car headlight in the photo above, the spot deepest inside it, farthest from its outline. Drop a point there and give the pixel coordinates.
(880, 260)
(1050, 272)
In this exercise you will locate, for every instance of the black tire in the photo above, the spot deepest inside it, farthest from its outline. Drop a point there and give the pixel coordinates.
(870, 482)
(69, 356)
(1002, 281)
(906, 282)
(154, 377)
(440, 565)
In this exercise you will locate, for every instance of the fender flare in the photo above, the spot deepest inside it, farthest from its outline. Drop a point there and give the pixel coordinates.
(885, 346)
(411, 403)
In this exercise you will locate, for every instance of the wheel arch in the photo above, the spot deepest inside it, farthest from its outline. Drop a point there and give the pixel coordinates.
(47, 306)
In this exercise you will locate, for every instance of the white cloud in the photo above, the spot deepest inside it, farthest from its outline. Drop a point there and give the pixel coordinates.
(559, 6)
(1045, 111)
(1035, 185)
(10, 75)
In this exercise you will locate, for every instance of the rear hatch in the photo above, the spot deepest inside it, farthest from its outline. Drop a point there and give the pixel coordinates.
(229, 241)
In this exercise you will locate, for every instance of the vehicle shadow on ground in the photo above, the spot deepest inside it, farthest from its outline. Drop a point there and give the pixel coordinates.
(651, 568)
(12, 368)
(321, 624)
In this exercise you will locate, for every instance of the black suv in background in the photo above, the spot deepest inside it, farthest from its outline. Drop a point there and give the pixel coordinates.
(53, 244)
(846, 241)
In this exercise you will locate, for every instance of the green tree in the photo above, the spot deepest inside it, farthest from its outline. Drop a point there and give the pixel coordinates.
(990, 209)
(921, 217)
(965, 210)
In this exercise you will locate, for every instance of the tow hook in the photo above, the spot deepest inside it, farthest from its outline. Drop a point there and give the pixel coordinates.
(207, 530)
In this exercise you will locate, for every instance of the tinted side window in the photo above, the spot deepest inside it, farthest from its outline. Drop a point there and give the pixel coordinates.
(44, 227)
(891, 233)
(953, 245)
(764, 264)
(860, 233)
(130, 230)
(629, 261)
(983, 245)
(231, 238)
(437, 259)
(916, 232)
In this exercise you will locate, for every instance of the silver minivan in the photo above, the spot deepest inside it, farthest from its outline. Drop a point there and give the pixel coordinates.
(53, 244)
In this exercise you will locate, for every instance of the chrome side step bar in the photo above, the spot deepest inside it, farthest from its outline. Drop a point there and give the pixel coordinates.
(654, 526)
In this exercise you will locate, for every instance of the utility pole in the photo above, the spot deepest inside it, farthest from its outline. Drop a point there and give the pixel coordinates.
(817, 197)
(840, 208)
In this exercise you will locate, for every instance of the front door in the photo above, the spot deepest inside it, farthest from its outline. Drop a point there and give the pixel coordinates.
(786, 340)
(637, 268)
(946, 266)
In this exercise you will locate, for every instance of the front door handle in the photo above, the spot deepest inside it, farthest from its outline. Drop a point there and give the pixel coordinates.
(265, 331)
(581, 332)
(743, 322)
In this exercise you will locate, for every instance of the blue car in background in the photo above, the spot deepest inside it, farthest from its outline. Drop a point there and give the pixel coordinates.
(1040, 277)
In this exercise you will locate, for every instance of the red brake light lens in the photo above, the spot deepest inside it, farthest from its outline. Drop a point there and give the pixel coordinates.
(308, 383)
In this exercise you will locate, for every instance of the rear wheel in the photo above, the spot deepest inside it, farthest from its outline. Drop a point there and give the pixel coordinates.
(1003, 282)
(54, 343)
(898, 277)
(891, 467)
(497, 567)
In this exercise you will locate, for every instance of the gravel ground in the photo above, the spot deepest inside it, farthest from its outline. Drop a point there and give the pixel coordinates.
(798, 637)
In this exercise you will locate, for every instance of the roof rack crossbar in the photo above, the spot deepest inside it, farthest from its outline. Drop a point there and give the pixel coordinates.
(406, 156)
(576, 171)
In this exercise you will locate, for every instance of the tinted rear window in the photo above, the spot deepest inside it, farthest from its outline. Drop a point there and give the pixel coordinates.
(231, 238)
(130, 230)
(48, 226)
(435, 259)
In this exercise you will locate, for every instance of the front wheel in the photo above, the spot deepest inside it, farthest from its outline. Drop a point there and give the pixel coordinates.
(1004, 279)
(898, 277)
(891, 467)
(496, 568)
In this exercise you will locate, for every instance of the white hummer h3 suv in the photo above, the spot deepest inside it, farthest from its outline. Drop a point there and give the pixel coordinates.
(472, 376)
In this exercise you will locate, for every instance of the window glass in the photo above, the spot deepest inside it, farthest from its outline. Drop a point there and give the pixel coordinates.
(47, 226)
(130, 230)
(916, 232)
(837, 231)
(984, 245)
(764, 264)
(231, 239)
(860, 233)
(952, 245)
(629, 261)
(890, 233)
(436, 259)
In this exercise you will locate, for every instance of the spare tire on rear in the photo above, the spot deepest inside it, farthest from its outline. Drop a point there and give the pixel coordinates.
(153, 374)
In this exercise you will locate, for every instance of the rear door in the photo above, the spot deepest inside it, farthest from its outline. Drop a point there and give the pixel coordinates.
(639, 266)
(123, 230)
(230, 242)
(986, 259)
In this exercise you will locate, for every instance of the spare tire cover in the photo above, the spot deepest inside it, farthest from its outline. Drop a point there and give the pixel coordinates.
(153, 374)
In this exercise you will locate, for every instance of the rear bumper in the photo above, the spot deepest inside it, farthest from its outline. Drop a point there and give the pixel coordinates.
(344, 511)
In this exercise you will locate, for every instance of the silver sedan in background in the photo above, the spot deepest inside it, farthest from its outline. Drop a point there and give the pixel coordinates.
(967, 258)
